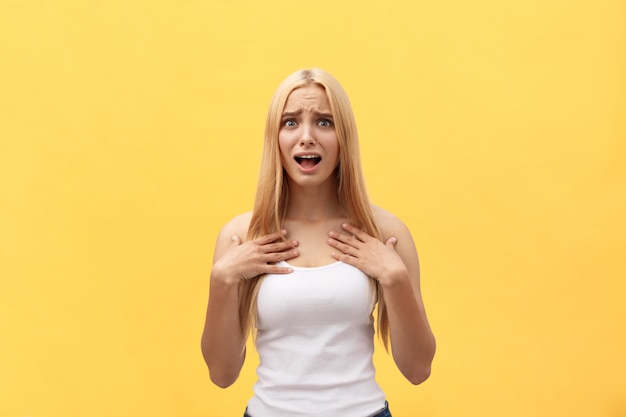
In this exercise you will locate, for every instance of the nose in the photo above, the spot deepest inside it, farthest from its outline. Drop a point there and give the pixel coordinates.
(307, 137)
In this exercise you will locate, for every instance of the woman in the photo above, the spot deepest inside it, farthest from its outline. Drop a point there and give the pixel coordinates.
(305, 268)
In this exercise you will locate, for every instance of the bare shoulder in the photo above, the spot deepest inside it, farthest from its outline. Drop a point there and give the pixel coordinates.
(392, 226)
(389, 224)
(238, 225)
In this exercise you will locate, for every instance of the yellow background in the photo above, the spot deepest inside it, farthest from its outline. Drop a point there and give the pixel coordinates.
(130, 131)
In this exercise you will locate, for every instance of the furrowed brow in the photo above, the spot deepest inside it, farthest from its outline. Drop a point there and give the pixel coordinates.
(291, 113)
(324, 115)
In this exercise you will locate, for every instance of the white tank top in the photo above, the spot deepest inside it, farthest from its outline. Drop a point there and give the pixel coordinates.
(315, 342)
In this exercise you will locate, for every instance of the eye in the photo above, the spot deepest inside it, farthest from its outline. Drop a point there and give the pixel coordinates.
(289, 123)
(325, 123)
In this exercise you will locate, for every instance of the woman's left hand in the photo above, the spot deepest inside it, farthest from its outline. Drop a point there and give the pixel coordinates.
(376, 259)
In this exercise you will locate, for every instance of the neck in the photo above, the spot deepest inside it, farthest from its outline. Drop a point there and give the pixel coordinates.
(313, 203)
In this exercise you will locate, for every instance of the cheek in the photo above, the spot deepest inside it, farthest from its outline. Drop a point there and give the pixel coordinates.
(283, 146)
(285, 138)
(332, 145)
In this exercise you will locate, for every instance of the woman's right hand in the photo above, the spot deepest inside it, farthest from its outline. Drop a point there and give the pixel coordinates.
(242, 261)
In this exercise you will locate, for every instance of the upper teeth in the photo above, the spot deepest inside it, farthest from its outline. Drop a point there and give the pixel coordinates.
(308, 156)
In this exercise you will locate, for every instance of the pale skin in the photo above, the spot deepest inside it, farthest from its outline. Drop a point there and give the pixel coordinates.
(316, 232)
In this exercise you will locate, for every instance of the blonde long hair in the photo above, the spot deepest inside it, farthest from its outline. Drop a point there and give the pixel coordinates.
(273, 194)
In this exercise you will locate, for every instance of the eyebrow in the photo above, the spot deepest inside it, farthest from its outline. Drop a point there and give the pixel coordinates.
(291, 113)
(298, 112)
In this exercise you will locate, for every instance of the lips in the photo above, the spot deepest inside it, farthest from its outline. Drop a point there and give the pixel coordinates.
(307, 161)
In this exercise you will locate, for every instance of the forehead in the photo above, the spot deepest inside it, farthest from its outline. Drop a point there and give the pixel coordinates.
(311, 96)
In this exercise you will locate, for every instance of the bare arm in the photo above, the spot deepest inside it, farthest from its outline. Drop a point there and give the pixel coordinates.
(223, 344)
(396, 267)
(412, 340)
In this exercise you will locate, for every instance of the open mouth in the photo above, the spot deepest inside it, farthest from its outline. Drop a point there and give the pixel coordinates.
(308, 161)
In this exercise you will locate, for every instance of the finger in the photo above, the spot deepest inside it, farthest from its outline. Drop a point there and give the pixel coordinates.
(355, 231)
(279, 256)
(343, 247)
(279, 246)
(274, 269)
(236, 240)
(347, 259)
(270, 238)
(391, 242)
(269, 269)
(349, 240)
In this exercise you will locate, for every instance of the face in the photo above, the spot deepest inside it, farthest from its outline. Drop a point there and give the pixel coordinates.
(307, 140)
